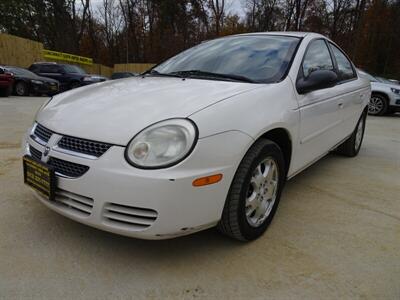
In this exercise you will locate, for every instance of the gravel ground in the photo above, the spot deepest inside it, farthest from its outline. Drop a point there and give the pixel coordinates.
(336, 235)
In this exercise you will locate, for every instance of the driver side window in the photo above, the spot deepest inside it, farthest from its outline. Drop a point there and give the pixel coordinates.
(317, 58)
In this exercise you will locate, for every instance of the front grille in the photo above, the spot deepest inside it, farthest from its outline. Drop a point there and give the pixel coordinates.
(36, 154)
(42, 133)
(67, 168)
(83, 146)
(74, 203)
(133, 218)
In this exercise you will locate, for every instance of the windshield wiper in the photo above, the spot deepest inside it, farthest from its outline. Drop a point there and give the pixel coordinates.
(156, 73)
(204, 74)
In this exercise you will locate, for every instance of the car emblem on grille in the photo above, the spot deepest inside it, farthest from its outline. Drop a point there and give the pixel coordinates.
(46, 151)
(45, 156)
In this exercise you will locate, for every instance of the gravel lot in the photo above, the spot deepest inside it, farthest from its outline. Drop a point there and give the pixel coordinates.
(336, 235)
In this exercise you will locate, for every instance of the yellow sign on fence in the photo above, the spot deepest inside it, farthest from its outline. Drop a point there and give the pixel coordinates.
(67, 57)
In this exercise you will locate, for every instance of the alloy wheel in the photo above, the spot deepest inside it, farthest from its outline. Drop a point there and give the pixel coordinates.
(262, 192)
(375, 105)
(20, 89)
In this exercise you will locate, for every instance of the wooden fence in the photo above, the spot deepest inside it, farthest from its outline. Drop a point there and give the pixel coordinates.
(16, 51)
(20, 52)
(136, 68)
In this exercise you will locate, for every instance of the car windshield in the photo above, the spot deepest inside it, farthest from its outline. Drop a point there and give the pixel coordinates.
(74, 69)
(22, 72)
(256, 58)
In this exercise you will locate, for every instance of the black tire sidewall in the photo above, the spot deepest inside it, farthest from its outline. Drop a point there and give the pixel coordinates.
(269, 150)
(363, 117)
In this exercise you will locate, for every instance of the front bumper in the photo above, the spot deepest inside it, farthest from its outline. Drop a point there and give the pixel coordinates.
(45, 88)
(163, 201)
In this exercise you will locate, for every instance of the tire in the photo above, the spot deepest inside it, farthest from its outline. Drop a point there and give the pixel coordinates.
(378, 105)
(352, 145)
(21, 88)
(238, 221)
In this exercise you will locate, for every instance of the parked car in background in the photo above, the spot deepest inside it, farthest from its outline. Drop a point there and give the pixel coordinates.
(385, 80)
(69, 76)
(119, 75)
(385, 95)
(207, 138)
(6, 82)
(27, 82)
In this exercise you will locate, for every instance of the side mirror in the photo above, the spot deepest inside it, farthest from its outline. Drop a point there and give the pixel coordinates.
(317, 80)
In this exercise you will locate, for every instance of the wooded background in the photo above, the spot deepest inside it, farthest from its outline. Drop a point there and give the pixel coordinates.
(149, 31)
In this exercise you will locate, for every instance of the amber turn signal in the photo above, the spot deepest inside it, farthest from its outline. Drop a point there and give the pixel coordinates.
(207, 180)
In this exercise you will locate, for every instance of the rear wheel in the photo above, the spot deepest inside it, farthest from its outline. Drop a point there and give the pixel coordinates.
(21, 88)
(255, 192)
(352, 145)
(377, 105)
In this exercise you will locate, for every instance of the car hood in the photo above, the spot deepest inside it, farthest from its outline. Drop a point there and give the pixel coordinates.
(384, 85)
(115, 111)
(45, 79)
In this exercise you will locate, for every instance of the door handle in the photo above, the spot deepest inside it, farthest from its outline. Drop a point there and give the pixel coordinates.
(340, 105)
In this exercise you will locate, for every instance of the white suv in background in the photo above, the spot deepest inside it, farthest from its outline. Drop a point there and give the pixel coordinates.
(385, 96)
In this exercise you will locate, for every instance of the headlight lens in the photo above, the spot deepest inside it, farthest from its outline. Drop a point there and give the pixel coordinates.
(37, 81)
(88, 78)
(396, 91)
(162, 144)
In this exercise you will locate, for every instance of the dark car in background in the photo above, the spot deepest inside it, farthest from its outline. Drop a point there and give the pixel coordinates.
(119, 75)
(6, 82)
(69, 76)
(27, 82)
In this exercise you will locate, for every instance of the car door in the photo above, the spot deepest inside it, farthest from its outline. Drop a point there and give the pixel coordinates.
(319, 109)
(353, 94)
(55, 72)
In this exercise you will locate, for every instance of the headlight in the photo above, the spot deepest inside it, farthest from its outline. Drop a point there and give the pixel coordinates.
(37, 81)
(88, 78)
(163, 144)
(396, 91)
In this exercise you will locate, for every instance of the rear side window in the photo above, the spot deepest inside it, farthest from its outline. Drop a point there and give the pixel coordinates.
(317, 58)
(344, 65)
(49, 69)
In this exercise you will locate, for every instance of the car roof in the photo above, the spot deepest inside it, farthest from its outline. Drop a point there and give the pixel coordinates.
(299, 34)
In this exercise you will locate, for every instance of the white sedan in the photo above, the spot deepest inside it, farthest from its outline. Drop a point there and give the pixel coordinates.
(206, 138)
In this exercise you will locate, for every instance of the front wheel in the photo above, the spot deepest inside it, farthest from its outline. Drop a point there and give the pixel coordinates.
(377, 105)
(21, 88)
(255, 192)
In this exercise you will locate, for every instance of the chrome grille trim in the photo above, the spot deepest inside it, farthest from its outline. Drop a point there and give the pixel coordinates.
(67, 168)
(42, 133)
(74, 146)
(84, 146)
(62, 167)
(35, 153)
